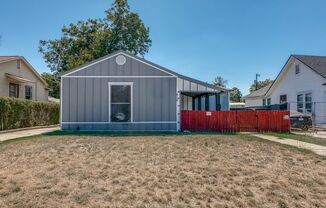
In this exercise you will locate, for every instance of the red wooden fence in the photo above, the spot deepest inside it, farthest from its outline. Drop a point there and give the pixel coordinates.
(235, 121)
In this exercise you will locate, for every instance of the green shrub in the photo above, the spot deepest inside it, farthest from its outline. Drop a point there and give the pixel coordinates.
(17, 113)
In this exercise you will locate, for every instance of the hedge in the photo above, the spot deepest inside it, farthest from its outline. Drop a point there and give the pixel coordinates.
(17, 113)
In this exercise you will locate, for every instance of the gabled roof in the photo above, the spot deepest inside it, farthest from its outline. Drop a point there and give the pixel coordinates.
(4, 59)
(7, 58)
(259, 93)
(147, 62)
(316, 63)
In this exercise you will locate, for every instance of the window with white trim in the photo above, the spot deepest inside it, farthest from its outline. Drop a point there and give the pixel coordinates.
(308, 102)
(283, 99)
(120, 102)
(304, 102)
(300, 103)
(269, 101)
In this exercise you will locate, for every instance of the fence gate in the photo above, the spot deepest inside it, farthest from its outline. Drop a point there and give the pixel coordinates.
(235, 121)
(247, 121)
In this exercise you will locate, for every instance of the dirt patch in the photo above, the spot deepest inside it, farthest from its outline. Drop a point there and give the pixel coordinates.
(162, 171)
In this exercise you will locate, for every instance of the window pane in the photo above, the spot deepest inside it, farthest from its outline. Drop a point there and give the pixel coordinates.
(269, 101)
(300, 98)
(120, 113)
(308, 97)
(13, 90)
(264, 102)
(28, 92)
(308, 107)
(300, 107)
(120, 94)
(283, 99)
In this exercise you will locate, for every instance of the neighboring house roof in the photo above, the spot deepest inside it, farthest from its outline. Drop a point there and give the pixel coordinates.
(4, 59)
(7, 58)
(259, 93)
(315, 63)
(148, 62)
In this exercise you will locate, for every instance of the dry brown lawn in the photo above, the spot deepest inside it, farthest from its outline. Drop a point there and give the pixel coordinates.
(159, 171)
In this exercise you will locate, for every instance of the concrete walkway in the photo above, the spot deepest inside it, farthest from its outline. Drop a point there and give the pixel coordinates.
(320, 150)
(25, 133)
(319, 134)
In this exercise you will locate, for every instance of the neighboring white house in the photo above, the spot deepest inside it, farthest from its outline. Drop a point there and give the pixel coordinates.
(301, 84)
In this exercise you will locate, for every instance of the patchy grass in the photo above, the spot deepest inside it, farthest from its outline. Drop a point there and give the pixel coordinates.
(201, 170)
(303, 138)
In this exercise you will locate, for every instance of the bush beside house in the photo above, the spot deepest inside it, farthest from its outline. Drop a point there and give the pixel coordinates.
(16, 113)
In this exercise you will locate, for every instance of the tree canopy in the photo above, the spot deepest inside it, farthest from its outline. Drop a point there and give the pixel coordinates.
(220, 81)
(85, 41)
(260, 84)
(235, 94)
(54, 84)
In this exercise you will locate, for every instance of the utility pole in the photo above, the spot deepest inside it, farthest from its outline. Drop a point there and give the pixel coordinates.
(256, 82)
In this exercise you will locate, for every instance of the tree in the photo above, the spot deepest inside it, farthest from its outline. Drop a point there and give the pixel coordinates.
(85, 41)
(220, 81)
(235, 94)
(260, 84)
(54, 84)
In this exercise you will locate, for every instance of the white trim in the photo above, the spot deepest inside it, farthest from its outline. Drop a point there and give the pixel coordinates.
(61, 100)
(135, 122)
(178, 115)
(131, 100)
(120, 77)
(108, 131)
(88, 65)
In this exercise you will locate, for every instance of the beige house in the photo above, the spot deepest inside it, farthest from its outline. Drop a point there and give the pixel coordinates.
(19, 79)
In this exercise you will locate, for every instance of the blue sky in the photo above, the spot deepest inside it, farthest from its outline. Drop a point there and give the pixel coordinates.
(199, 38)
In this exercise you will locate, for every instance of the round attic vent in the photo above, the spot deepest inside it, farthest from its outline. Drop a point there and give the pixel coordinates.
(120, 60)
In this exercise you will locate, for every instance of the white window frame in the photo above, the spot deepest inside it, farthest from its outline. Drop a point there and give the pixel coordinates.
(304, 110)
(131, 84)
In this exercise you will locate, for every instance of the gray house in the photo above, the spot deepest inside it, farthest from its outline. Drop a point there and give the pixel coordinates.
(122, 92)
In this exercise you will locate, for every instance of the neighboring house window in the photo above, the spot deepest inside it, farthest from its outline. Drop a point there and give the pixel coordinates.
(13, 90)
(28, 92)
(18, 64)
(269, 101)
(264, 102)
(120, 102)
(283, 99)
(300, 103)
(308, 102)
(304, 104)
(297, 69)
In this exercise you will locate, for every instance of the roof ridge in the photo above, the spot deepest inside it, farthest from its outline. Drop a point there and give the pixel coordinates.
(309, 55)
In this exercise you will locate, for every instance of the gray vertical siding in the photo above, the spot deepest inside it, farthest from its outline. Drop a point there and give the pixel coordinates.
(86, 100)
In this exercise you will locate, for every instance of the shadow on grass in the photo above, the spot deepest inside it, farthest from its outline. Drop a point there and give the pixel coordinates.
(131, 133)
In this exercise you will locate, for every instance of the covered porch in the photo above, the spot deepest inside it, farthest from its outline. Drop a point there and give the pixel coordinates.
(204, 100)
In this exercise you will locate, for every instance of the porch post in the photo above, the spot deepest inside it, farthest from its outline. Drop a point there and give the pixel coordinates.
(193, 103)
(218, 101)
(207, 102)
(199, 103)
